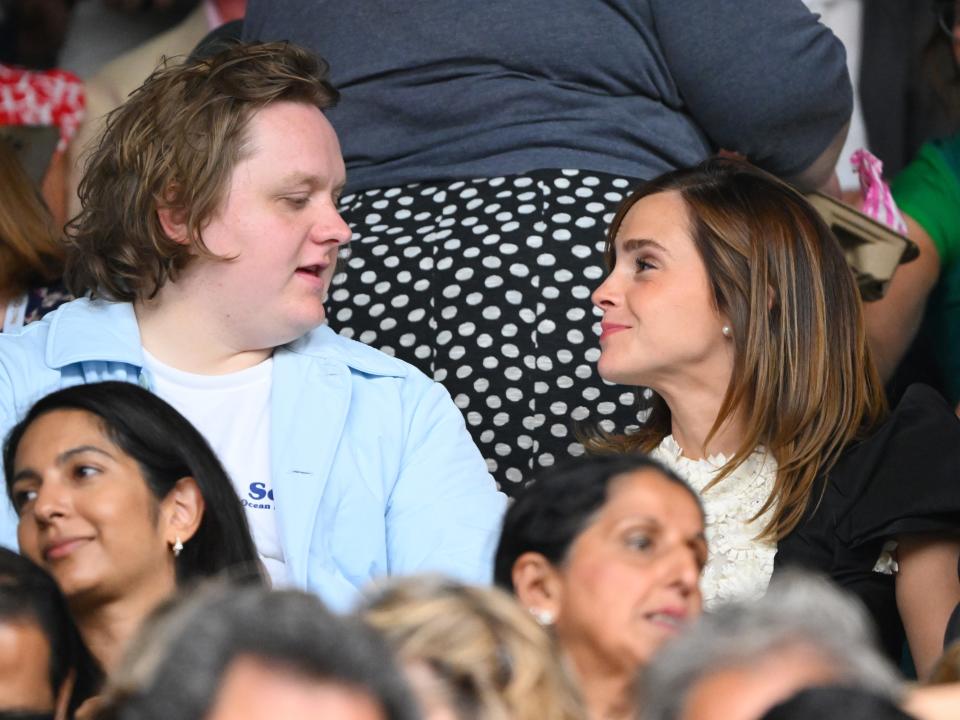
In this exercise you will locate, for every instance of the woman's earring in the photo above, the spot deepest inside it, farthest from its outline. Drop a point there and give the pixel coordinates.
(177, 548)
(727, 332)
(544, 617)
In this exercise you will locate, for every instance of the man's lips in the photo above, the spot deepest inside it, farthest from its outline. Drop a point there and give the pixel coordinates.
(315, 269)
(607, 329)
(313, 273)
(62, 548)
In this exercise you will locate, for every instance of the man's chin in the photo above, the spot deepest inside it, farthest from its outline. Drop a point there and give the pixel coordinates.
(296, 328)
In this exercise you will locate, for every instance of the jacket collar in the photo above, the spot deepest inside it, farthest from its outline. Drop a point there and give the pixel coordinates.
(87, 330)
(326, 344)
(97, 330)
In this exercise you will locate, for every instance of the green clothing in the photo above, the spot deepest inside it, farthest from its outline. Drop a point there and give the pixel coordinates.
(928, 190)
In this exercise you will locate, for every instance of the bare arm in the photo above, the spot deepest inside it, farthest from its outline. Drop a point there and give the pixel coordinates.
(893, 321)
(927, 593)
(939, 702)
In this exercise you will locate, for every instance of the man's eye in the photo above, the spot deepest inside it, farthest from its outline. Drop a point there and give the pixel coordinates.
(297, 202)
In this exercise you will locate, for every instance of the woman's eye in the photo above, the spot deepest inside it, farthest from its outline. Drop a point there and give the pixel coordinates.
(21, 498)
(642, 264)
(638, 542)
(84, 471)
(297, 202)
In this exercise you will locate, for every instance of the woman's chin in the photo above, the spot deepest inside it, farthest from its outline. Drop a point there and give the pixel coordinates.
(615, 373)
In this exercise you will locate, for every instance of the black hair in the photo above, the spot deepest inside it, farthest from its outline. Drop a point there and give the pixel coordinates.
(186, 649)
(167, 448)
(552, 510)
(28, 593)
(837, 702)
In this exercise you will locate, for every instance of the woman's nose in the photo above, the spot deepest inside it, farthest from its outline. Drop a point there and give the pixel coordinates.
(52, 500)
(605, 295)
(684, 569)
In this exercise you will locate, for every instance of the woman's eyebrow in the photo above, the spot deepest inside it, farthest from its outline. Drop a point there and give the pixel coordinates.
(635, 244)
(62, 458)
(67, 454)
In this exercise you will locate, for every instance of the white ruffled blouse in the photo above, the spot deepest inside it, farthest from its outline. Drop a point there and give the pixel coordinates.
(739, 566)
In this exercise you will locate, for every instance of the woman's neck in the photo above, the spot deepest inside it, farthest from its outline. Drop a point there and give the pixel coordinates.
(608, 691)
(693, 411)
(108, 627)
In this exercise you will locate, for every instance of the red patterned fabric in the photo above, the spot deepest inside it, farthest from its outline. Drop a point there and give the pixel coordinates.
(42, 97)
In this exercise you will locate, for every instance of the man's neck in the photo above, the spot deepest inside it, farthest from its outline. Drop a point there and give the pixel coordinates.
(186, 339)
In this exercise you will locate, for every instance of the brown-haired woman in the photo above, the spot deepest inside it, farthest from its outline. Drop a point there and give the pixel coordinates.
(730, 299)
(31, 251)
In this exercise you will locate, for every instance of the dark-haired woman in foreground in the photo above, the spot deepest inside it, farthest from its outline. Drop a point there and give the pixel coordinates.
(121, 500)
(729, 297)
(608, 552)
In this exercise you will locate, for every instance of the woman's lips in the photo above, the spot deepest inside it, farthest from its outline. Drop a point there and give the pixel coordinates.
(607, 329)
(62, 548)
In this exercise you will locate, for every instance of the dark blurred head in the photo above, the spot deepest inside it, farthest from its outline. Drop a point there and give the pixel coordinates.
(837, 702)
(269, 653)
(43, 661)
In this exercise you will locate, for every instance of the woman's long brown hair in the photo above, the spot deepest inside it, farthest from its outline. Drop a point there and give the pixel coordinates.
(31, 249)
(803, 381)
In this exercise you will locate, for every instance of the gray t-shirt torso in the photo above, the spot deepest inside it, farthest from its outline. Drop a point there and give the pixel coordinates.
(454, 89)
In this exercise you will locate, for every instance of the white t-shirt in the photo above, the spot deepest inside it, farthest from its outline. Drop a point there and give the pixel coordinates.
(845, 19)
(233, 413)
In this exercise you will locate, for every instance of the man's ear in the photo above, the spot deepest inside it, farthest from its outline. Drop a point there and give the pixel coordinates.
(182, 509)
(538, 586)
(174, 223)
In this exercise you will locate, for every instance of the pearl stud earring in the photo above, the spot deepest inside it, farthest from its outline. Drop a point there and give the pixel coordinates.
(544, 617)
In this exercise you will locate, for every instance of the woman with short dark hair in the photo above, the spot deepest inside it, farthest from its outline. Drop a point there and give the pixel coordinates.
(121, 500)
(606, 551)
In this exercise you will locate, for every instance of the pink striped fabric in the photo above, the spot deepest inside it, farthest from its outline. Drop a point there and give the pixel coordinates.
(877, 200)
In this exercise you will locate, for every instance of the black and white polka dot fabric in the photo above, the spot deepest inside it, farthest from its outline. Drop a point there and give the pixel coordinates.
(485, 285)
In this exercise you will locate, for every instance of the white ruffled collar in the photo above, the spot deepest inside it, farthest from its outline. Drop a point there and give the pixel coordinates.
(739, 565)
(669, 446)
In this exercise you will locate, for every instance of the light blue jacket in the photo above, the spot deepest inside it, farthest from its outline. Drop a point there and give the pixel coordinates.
(374, 472)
